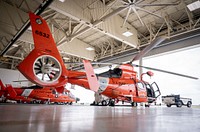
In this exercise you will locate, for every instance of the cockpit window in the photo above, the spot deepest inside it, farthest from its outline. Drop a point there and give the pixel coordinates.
(116, 73)
(140, 86)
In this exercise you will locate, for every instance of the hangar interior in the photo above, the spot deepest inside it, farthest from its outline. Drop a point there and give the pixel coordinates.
(97, 30)
(103, 31)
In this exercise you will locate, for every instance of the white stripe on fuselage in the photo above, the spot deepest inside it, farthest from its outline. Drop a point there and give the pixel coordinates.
(27, 92)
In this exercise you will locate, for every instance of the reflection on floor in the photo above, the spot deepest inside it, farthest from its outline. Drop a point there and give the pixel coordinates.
(62, 118)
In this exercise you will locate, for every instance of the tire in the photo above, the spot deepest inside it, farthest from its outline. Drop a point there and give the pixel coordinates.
(5, 100)
(104, 103)
(189, 104)
(46, 102)
(132, 104)
(19, 101)
(179, 104)
(111, 103)
(169, 105)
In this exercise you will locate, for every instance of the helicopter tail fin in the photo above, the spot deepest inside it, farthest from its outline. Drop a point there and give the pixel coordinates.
(44, 65)
(92, 78)
(11, 91)
(2, 87)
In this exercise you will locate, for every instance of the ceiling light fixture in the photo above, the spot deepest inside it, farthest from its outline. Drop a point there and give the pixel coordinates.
(193, 6)
(62, 0)
(15, 45)
(66, 58)
(127, 33)
(90, 48)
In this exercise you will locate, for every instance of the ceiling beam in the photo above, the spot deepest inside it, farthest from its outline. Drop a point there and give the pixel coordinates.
(38, 11)
(108, 24)
(176, 42)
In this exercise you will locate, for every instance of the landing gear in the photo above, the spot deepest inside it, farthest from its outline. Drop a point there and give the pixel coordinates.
(65, 103)
(133, 104)
(46, 102)
(111, 102)
(95, 103)
(104, 103)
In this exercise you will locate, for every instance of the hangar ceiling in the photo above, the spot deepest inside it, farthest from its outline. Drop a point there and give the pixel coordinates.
(92, 29)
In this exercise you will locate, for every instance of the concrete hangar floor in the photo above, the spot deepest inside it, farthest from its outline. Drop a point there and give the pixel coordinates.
(62, 118)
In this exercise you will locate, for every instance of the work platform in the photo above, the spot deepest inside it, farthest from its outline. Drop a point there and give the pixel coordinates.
(63, 118)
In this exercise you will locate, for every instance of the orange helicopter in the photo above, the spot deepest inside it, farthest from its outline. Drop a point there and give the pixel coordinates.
(45, 67)
(35, 94)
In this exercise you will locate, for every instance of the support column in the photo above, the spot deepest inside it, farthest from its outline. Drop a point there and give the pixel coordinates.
(140, 68)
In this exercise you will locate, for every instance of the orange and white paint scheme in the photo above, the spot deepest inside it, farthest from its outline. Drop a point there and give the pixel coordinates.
(45, 67)
(36, 94)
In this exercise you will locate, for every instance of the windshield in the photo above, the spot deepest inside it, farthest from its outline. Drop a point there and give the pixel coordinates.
(116, 73)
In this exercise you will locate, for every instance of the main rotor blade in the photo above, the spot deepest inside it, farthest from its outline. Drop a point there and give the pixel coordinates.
(169, 72)
(95, 63)
(153, 44)
(22, 81)
(163, 4)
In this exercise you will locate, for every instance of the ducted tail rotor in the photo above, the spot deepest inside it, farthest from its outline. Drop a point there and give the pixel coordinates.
(47, 69)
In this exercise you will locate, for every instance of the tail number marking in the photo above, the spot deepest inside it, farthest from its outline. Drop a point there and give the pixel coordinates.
(40, 33)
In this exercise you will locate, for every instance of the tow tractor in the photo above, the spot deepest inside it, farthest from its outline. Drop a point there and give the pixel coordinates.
(170, 100)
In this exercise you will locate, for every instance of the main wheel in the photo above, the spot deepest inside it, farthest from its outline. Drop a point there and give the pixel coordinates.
(133, 104)
(111, 102)
(104, 103)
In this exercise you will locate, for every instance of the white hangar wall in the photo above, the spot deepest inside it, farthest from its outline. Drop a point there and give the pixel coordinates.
(8, 76)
